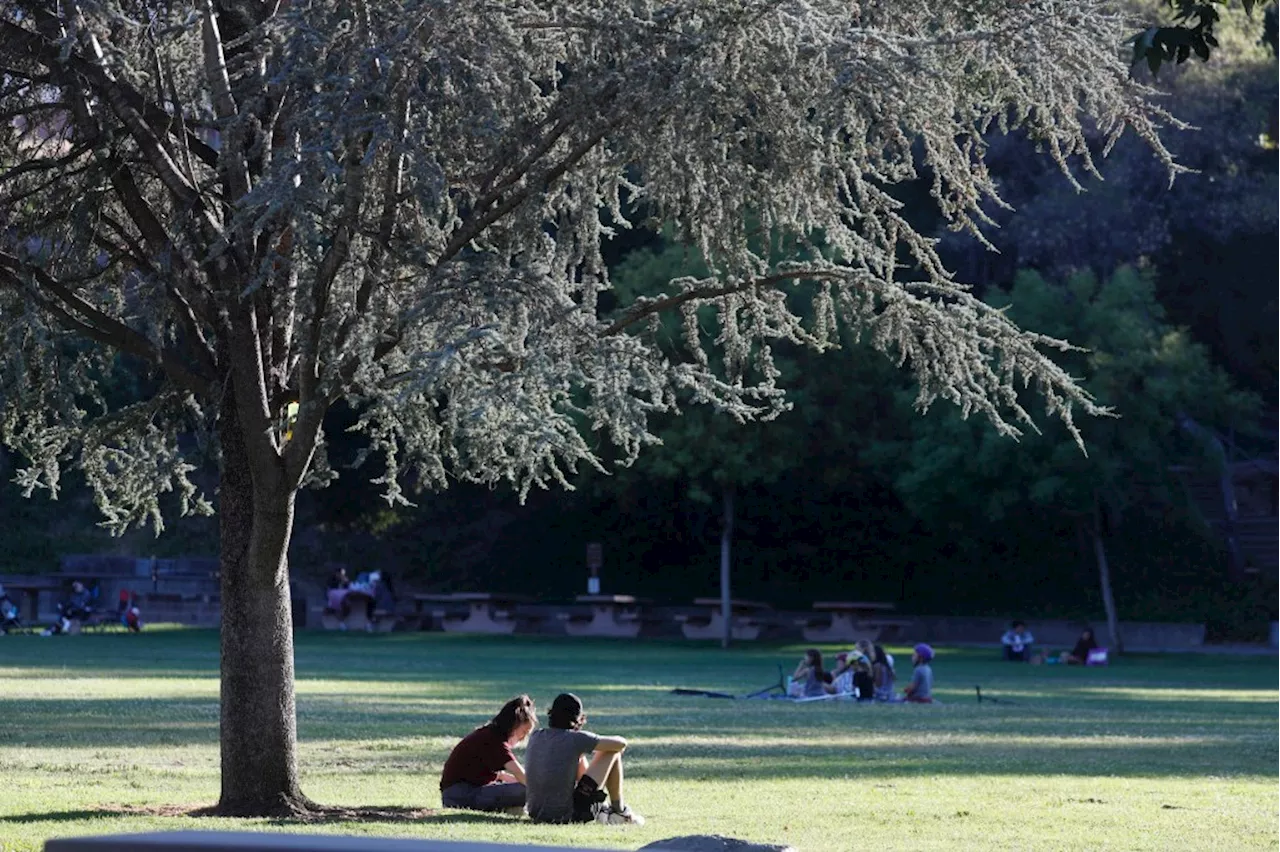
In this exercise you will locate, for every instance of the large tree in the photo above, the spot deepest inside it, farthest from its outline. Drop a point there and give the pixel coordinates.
(274, 206)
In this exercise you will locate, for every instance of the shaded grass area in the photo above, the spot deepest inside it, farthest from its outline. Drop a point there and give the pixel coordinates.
(119, 733)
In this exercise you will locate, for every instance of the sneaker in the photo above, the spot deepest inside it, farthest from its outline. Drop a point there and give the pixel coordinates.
(624, 816)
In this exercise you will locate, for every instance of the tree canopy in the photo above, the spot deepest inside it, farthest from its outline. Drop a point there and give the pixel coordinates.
(401, 204)
(394, 215)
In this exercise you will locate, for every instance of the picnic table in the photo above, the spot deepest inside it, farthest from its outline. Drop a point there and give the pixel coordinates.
(356, 603)
(848, 621)
(485, 612)
(611, 615)
(745, 615)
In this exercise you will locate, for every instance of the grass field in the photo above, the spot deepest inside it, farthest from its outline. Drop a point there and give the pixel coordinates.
(103, 734)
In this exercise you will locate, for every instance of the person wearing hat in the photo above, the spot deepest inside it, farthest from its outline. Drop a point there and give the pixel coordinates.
(563, 786)
(920, 690)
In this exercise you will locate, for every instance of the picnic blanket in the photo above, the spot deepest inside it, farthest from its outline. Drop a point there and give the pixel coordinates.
(776, 691)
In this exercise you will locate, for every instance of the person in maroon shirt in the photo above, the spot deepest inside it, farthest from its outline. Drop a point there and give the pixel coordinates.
(482, 773)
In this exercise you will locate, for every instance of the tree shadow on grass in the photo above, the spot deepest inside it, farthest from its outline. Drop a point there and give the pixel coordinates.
(373, 813)
(62, 816)
(320, 815)
(104, 812)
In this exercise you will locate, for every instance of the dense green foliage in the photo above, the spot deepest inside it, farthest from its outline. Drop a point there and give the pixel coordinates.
(1151, 375)
(1192, 31)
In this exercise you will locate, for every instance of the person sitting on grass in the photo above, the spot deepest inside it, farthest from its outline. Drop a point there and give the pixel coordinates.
(882, 675)
(864, 671)
(76, 607)
(920, 690)
(1017, 641)
(852, 674)
(810, 680)
(482, 773)
(1079, 655)
(563, 786)
(841, 675)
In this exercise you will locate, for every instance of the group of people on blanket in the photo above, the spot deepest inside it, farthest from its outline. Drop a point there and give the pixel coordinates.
(866, 672)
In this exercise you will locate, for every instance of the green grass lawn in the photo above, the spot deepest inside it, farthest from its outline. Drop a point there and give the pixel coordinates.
(99, 734)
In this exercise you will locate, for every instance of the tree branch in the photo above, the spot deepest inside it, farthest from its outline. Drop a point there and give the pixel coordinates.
(472, 228)
(648, 309)
(122, 100)
(252, 403)
(99, 326)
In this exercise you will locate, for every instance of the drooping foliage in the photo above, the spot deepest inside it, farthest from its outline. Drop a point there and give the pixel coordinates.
(1152, 374)
(399, 203)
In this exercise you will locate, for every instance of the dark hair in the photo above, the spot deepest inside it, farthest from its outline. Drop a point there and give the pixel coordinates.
(814, 658)
(1088, 630)
(881, 657)
(566, 712)
(1017, 624)
(516, 712)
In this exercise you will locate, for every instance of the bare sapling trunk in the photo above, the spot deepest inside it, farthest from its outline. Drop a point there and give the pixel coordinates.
(258, 716)
(1104, 578)
(726, 539)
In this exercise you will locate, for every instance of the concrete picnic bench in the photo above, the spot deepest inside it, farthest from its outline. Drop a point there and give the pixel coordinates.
(710, 625)
(849, 621)
(611, 615)
(357, 603)
(472, 612)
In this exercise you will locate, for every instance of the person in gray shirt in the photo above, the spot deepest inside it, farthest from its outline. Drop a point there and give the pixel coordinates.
(920, 690)
(562, 785)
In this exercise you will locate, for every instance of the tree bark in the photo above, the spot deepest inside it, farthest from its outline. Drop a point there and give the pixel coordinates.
(726, 538)
(258, 715)
(1104, 578)
(1231, 522)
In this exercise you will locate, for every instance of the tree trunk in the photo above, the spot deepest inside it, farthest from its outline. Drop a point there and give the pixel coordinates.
(726, 537)
(1104, 577)
(1231, 523)
(258, 718)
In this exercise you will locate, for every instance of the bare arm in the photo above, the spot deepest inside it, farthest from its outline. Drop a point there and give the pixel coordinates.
(610, 744)
(515, 770)
(582, 766)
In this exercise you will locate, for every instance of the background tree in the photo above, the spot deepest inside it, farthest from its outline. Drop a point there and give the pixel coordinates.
(712, 459)
(398, 204)
(1148, 370)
